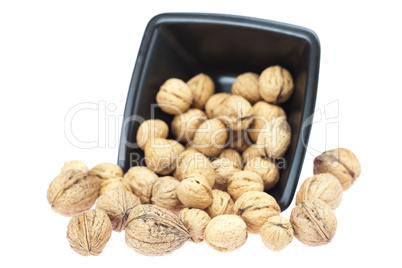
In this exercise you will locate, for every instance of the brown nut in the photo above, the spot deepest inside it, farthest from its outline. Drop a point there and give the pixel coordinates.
(341, 163)
(268, 171)
(163, 193)
(325, 187)
(274, 141)
(174, 96)
(222, 204)
(276, 84)
(154, 231)
(226, 233)
(244, 181)
(247, 86)
(233, 155)
(195, 220)
(224, 169)
(252, 152)
(74, 164)
(194, 191)
(202, 87)
(73, 192)
(239, 140)
(139, 178)
(255, 208)
(276, 233)
(151, 129)
(117, 182)
(213, 106)
(314, 223)
(263, 114)
(106, 171)
(117, 203)
(185, 125)
(88, 233)
(210, 138)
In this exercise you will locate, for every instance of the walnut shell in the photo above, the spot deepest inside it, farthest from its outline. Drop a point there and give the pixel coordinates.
(226, 233)
(213, 106)
(255, 208)
(74, 164)
(195, 220)
(194, 191)
(276, 233)
(210, 138)
(275, 140)
(314, 223)
(89, 232)
(222, 204)
(224, 169)
(341, 163)
(239, 140)
(174, 96)
(117, 182)
(233, 155)
(247, 86)
(186, 124)
(263, 114)
(325, 187)
(160, 155)
(276, 84)
(106, 171)
(154, 231)
(151, 129)
(244, 181)
(163, 193)
(117, 203)
(139, 177)
(73, 192)
(202, 87)
(268, 171)
(252, 152)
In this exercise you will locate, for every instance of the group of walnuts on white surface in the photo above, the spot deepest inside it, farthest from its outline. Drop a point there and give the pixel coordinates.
(212, 186)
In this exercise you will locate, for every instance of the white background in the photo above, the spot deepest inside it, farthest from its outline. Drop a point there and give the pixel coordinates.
(54, 55)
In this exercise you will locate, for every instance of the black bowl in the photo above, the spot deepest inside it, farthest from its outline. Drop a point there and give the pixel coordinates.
(182, 45)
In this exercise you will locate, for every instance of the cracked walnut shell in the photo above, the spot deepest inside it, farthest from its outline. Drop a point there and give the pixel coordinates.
(202, 87)
(276, 233)
(163, 193)
(222, 204)
(151, 129)
(247, 86)
(276, 84)
(139, 178)
(194, 191)
(195, 220)
(244, 181)
(174, 96)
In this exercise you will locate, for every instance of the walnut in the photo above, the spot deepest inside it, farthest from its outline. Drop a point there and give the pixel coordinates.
(247, 86)
(191, 161)
(255, 208)
(89, 232)
(263, 114)
(213, 106)
(117, 203)
(224, 169)
(244, 181)
(222, 204)
(162, 192)
(268, 171)
(233, 155)
(325, 187)
(210, 138)
(186, 124)
(195, 220)
(174, 96)
(139, 177)
(252, 152)
(73, 192)
(117, 182)
(160, 155)
(226, 233)
(202, 87)
(106, 171)
(314, 223)
(276, 84)
(151, 129)
(154, 231)
(274, 141)
(341, 163)
(194, 191)
(75, 164)
(239, 140)
(276, 233)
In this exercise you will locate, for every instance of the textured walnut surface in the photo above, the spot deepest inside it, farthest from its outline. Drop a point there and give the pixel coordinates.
(139, 178)
(268, 171)
(222, 203)
(194, 191)
(186, 124)
(244, 181)
(276, 138)
(202, 87)
(210, 137)
(195, 220)
(117, 182)
(107, 171)
(151, 129)
(276, 233)
(74, 164)
(276, 84)
(162, 192)
(247, 86)
(174, 96)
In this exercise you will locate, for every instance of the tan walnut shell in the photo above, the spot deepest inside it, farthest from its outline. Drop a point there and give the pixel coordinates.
(88, 233)
(117, 182)
(276, 233)
(213, 106)
(195, 220)
(276, 84)
(73, 192)
(202, 87)
(263, 114)
(247, 85)
(275, 140)
(341, 163)
(139, 178)
(186, 124)
(154, 231)
(224, 169)
(226, 233)
(222, 204)
(194, 191)
(174, 96)
(74, 164)
(239, 140)
(255, 208)
(117, 203)
(324, 186)
(233, 155)
(267, 169)
(106, 171)
(163, 193)
(211, 137)
(160, 155)
(151, 129)
(244, 181)
(314, 223)
(252, 152)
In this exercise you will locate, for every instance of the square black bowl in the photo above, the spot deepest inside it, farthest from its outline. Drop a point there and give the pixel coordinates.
(182, 45)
